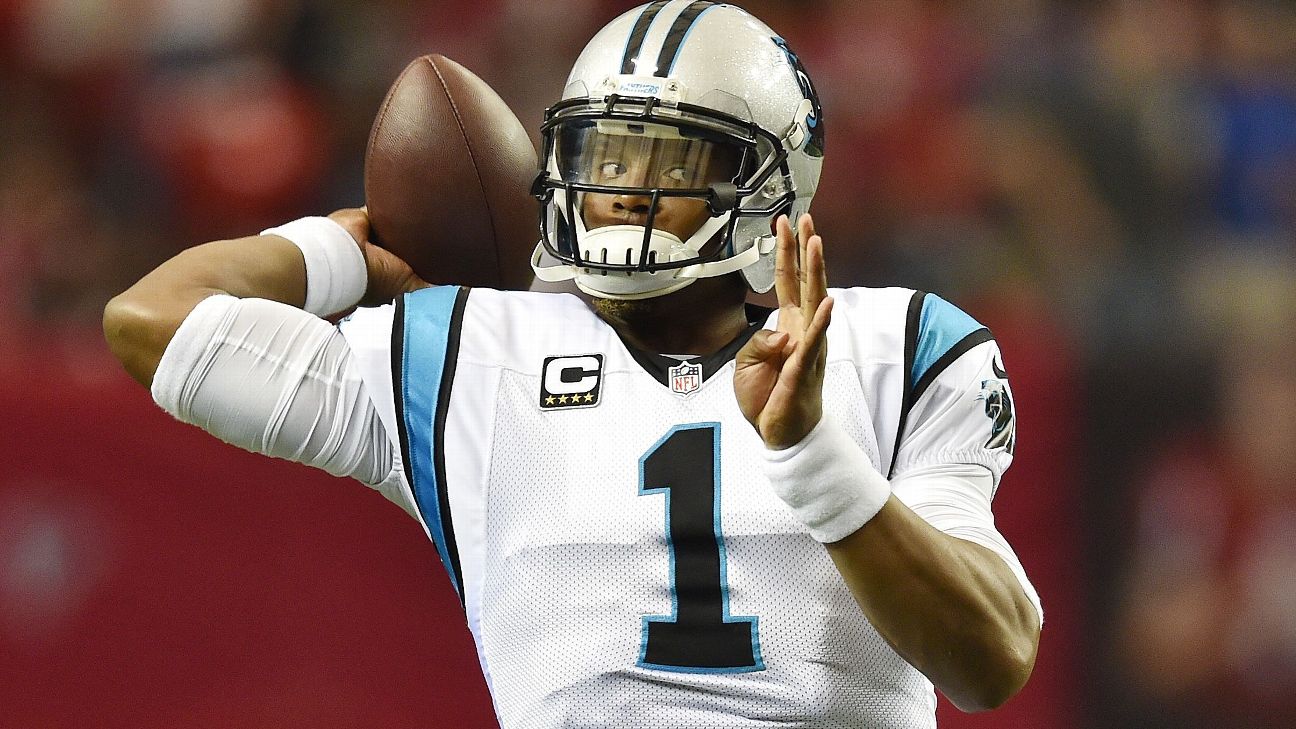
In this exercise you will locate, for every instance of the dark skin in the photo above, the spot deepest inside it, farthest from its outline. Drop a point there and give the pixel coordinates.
(705, 323)
(951, 608)
(779, 375)
(706, 315)
(140, 322)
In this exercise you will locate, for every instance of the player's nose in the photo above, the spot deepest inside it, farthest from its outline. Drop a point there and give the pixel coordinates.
(625, 208)
(633, 204)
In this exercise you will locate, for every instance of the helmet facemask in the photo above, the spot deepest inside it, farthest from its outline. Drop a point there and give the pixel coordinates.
(641, 198)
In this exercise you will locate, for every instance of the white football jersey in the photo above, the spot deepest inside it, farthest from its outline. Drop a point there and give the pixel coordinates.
(621, 559)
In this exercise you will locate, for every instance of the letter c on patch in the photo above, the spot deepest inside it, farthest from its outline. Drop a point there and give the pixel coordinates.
(571, 375)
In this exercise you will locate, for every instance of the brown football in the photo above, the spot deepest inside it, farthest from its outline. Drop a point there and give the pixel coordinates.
(448, 174)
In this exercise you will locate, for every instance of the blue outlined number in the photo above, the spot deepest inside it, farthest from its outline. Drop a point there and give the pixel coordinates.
(699, 636)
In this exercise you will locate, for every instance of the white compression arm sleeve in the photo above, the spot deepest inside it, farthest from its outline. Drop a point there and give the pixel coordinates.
(276, 380)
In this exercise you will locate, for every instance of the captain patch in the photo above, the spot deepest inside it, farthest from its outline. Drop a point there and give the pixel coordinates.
(572, 381)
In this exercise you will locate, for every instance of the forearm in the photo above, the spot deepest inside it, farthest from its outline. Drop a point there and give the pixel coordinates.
(141, 321)
(951, 608)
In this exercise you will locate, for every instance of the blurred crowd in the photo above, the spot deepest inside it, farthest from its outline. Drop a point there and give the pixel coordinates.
(1109, 184)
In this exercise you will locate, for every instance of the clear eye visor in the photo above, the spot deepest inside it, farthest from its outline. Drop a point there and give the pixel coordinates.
(728, 148)
(620, 155)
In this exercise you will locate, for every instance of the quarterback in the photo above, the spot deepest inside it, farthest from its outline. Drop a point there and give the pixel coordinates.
(663, 507)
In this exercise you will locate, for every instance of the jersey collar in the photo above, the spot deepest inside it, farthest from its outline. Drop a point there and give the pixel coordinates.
(658, 365)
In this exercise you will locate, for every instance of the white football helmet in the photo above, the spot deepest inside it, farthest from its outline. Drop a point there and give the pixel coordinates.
(685, 98)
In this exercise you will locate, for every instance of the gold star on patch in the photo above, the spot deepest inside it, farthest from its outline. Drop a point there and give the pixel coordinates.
(550, 400)
(589, 397)
(562, 400)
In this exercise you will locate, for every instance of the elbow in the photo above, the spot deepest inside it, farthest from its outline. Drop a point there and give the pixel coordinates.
(1002, 675)
(120, 324)
(136, 335)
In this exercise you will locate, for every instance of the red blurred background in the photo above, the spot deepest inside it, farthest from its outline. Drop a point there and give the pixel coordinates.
(1107, 184)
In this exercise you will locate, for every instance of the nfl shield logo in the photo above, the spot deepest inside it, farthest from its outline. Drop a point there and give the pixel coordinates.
(685, 378)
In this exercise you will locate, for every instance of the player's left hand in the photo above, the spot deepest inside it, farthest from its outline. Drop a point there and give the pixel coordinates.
(779, 374)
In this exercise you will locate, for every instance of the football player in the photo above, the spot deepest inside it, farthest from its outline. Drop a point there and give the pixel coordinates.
(664, 508)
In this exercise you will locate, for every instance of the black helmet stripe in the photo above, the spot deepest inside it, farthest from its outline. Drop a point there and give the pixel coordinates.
(678, 32)
(635, 43)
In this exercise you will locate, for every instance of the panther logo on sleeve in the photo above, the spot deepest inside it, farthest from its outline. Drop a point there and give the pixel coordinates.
(999, 408)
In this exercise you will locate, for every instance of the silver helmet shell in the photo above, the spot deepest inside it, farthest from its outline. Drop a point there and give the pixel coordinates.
(709, 70)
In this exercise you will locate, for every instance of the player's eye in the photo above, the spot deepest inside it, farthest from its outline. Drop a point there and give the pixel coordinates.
(678, 175)
(611, 170)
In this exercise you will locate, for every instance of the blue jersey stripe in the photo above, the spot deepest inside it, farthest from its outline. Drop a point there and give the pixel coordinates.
(941, 327)
(427, 338)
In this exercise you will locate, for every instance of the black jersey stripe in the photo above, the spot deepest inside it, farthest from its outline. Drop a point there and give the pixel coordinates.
(913, 327)
(438, 434)
(980, 336)
(398, 377)
(634, 43)
(678, 31)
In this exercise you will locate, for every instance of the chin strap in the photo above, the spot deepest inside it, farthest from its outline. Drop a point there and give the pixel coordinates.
(763, 245)
(559, 272)
(567, 272)
(634, 284)
(591, 282)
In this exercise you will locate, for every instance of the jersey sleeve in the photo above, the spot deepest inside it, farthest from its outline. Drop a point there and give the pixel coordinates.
(368, 334)
(958, 405)
(957, 428)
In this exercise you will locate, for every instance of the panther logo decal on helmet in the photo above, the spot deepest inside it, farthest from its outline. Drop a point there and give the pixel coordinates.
(814, 144)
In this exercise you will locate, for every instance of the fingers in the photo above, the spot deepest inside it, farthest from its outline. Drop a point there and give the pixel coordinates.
(800, 275)
(787, 284)
(762, 347)
(805, 229)
(413, 283)
(805, 365)
(355, 221)
(813, 276)
(389, 276)
(814, 336)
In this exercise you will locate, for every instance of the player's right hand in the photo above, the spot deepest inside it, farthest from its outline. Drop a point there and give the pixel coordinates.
(389, 276)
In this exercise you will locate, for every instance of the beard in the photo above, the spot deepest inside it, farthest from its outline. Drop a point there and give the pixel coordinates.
(623, 310)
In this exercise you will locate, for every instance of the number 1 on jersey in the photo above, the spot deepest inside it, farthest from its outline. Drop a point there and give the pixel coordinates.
(700, 636)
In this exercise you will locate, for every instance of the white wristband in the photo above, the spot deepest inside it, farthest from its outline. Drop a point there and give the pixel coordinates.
(828, 482)
(336, 276)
